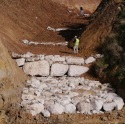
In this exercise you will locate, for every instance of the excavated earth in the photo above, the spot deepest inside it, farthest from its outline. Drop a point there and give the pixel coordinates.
(29, 20)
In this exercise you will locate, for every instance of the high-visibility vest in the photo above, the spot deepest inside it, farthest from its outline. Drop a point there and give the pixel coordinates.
(77, 42)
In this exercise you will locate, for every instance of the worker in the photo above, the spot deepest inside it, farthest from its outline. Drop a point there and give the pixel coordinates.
(76, 45)
(81, 11)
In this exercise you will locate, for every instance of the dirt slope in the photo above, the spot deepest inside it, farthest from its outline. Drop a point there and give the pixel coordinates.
(100, 27)
(29, 20)
(88, 5)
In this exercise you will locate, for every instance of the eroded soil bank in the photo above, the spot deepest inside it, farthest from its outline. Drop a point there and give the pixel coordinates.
(29, 20)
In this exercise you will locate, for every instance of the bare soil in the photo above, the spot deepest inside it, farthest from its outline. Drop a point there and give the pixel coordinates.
(29, 20)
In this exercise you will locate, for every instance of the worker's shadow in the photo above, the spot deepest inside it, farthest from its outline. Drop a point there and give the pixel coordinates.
(66, 52)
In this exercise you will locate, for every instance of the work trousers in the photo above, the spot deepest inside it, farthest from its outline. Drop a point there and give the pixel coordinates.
(75, 49)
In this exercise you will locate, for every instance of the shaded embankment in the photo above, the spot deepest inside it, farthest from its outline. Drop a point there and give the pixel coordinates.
(100, 27)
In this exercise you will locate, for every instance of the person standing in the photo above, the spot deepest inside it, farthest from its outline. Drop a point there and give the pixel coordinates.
(81, 11)
(76, 45)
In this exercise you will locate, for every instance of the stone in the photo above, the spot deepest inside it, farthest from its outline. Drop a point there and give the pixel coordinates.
(83, 107)
(65, 101)
(70, 108)
(46, 113)
(96, 104)
(57, 58)
(27, 97)
(15, 55)
(33, 83)
(58, 69)
(119, 103)
(57, 109)
(109, 106)
(75, 70)
(37, 107)
(27, 55)
(37, 68)
(90, 60)
(25, 90)
(97, 56)
(43, 86)
(110, 96)
(32, 59)
(37, 93)
(20, 62)
(73, 94)
(75, 60)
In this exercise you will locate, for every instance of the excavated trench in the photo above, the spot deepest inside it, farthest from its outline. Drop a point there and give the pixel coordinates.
(29, 20)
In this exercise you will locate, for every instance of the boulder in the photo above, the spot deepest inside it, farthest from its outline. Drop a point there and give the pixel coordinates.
(33, 83)
(25, 90)
(70, 108)
(96, 104)
(27, 55)
(32, 59)
(110, 96)
(20, 62)
(65, 101)
(37, 108)
(58, 69)
(56, 109)
(119, 103)
(75, 60)
(27, 97)
(90, 60)
(37, 68)
(75, 70)
(109, 106)
(57, 58)
(46, 113)
(83, 107)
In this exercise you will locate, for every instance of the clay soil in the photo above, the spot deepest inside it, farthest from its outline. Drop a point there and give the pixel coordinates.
(29, 19)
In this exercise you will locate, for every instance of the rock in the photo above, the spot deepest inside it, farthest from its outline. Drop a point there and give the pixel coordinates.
(15, 55)
(25, 90)
(43, 86)
(83, 107)
(65, 101)
(75, 60)
(38, 100)
(33, 112)
(37, 68)
(57, 58)
(70, 108)
(27, 97)
(33, 83)
(90, 60)
(73, 94)
(58, 69)
(97, 56)
(20, 62)
(110, 96)
(96, 104)
(37, 93)
(109, 106)
(46, 113)
(37, 108)
(27, 55)
(32, 59)
(119, 103)
(75, 70)
(57, 109)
